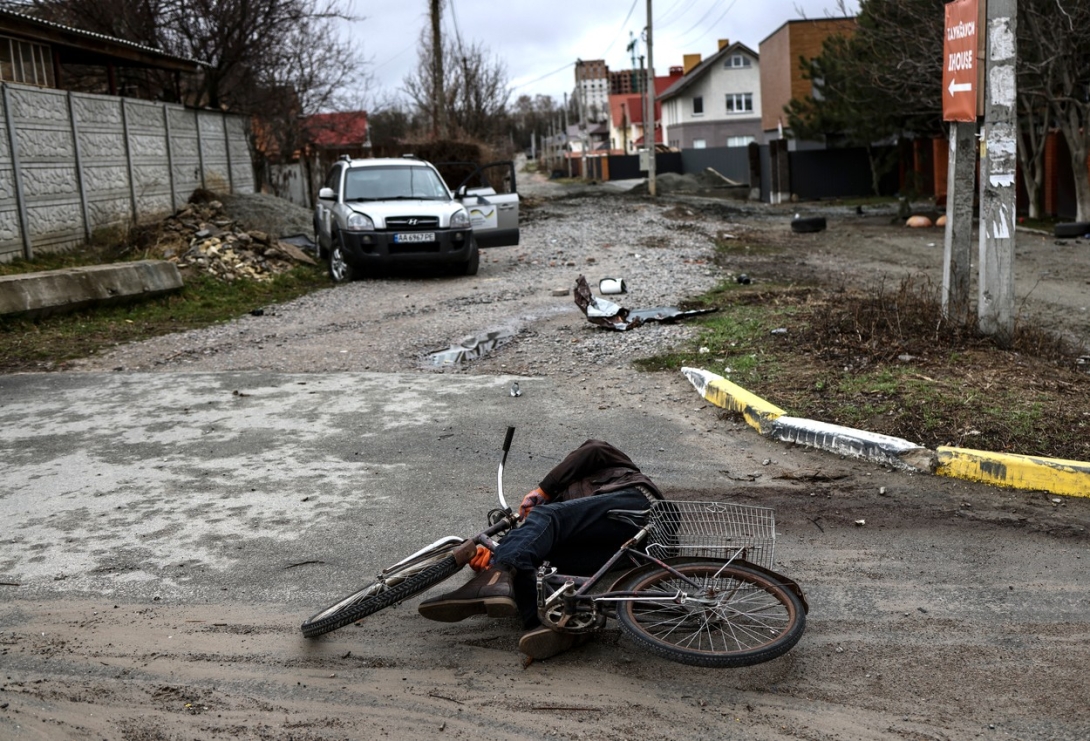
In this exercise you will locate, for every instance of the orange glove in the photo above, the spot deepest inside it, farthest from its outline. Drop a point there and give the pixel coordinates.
(531, 500)
(480, 561)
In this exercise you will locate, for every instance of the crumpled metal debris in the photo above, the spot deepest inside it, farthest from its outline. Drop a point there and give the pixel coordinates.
(473, 347)
(605, 313)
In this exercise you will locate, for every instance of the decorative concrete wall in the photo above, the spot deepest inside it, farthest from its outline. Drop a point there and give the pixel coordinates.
(71, 163)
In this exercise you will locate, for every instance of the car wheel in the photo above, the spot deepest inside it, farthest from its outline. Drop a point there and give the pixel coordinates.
(470, 266)
(1072, 229)
(805, 225)
(340, 270)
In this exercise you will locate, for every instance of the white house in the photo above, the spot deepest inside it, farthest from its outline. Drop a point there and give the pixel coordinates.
(717, 103)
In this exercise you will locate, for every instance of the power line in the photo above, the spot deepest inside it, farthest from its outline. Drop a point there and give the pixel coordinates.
(550, 74)
(712, 25)
(621, 29)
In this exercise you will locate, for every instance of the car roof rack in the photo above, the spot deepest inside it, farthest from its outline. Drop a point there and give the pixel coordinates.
(409, 156)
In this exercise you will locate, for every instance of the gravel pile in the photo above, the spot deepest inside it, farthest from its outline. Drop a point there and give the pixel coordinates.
(393, 323)
(202, 237)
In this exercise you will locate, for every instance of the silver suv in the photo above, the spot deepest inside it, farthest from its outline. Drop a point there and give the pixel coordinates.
(399, 212)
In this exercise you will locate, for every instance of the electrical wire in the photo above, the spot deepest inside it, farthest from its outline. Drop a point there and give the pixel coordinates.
(569, 65)
(713, 24)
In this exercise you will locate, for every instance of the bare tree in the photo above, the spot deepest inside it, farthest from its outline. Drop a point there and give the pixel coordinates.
(1056, 31)
(475, 89)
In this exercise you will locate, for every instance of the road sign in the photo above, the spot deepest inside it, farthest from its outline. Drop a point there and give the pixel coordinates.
(960, 63)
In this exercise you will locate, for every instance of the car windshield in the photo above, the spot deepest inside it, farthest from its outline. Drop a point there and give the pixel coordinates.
(390, 183)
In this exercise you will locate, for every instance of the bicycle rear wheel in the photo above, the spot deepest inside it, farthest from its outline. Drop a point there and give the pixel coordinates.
(737, 617)
(378, 596)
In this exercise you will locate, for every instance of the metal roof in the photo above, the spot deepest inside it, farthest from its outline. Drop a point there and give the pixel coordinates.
(89, 41)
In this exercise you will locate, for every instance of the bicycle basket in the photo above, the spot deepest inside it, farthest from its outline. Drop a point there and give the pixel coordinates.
(712, 529)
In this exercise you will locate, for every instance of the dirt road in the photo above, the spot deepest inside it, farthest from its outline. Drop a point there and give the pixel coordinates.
(165, 536)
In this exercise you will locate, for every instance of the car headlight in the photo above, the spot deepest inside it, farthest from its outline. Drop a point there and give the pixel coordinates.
(359, 223)
(459, 220)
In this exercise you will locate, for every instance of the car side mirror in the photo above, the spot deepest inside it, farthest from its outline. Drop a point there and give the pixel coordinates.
(326, 194)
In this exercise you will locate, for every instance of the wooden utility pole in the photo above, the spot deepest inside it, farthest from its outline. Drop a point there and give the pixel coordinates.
(439, 103)
(649, 110)
(998, 163)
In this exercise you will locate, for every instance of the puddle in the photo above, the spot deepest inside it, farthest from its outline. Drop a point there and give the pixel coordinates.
(470, 348)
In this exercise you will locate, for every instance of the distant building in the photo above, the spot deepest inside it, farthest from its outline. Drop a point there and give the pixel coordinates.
(592, 89)
(781, 71)
(717, 101)
(626, 119)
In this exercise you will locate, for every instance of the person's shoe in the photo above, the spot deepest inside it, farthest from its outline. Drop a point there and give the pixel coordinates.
(489, 593)
(543, 643)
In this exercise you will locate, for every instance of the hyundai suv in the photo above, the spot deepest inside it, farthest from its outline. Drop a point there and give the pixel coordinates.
(373, 213)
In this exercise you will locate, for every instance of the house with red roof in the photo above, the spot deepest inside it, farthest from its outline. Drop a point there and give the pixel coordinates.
(331, 135)
(626, 126)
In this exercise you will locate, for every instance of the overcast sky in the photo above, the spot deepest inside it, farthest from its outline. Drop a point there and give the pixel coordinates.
(538, 42)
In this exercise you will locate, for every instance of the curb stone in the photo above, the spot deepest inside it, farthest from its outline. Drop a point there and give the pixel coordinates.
(1052, 475)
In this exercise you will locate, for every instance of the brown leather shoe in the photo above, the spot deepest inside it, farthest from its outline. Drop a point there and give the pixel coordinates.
(544, 643)
(489, 593)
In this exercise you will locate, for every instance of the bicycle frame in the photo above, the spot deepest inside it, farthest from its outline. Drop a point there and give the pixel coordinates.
(576, 591)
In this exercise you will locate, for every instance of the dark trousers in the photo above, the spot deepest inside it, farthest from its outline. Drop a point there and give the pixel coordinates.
(575, 536)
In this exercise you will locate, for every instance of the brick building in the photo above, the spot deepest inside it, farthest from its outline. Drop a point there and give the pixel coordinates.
(781, 72)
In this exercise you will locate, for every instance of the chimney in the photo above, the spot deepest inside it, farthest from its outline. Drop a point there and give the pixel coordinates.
(723, 43)
(688, 61)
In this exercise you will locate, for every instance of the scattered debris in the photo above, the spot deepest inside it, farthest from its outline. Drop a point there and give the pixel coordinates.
(860, 523)
(608, 314)
(609, 286)
(473, 347)
(807, 224)
(515, 390)
(203, 238)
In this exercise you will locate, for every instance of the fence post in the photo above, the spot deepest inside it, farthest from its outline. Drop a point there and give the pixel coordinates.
(200, 146)
(80, 181)
(170, 158)
(227, 149)
(16, 170)
(128, 157)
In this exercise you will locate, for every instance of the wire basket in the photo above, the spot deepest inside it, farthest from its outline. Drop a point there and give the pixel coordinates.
(712, 529)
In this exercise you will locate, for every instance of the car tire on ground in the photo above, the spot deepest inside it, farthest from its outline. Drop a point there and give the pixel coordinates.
(470, 266)
(808, 224)
(340, 270)
(1073, 229)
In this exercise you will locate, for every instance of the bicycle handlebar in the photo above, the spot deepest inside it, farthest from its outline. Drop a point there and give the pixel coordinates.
(499, 474)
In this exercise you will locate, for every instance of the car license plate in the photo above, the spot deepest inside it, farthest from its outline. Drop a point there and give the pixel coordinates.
(414, 237)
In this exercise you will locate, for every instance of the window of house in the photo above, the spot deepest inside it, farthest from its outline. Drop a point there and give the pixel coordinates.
(739, 102)
(739, 141)
(736, 60)
(25, 61)
(698, 106)
(700, 144)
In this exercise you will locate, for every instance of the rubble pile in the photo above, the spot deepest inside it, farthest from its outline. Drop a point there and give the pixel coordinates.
(203, 238)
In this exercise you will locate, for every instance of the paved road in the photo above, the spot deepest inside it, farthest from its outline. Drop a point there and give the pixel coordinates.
(235, 503)
(180, 485)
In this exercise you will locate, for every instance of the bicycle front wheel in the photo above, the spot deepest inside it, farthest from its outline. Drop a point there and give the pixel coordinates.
(378, 596)
(736, 616)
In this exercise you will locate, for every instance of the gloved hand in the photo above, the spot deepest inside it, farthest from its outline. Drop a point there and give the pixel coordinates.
(481, 559)
(531, 500)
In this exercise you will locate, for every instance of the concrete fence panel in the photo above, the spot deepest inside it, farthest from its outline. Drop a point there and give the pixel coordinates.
(71, 163)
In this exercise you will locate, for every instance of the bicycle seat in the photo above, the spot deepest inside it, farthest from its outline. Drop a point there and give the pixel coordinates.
(636, 517)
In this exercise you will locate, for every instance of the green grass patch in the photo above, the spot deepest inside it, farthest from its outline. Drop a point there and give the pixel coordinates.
(45, 343)
(887, 361)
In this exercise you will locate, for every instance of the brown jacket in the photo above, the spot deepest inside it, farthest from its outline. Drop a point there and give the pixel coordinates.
(595, 467)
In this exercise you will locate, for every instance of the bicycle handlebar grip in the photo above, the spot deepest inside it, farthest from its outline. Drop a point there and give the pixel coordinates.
(507, 440)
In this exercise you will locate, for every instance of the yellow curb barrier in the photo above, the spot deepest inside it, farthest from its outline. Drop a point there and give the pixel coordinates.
(1053, 475)
(759, 414)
